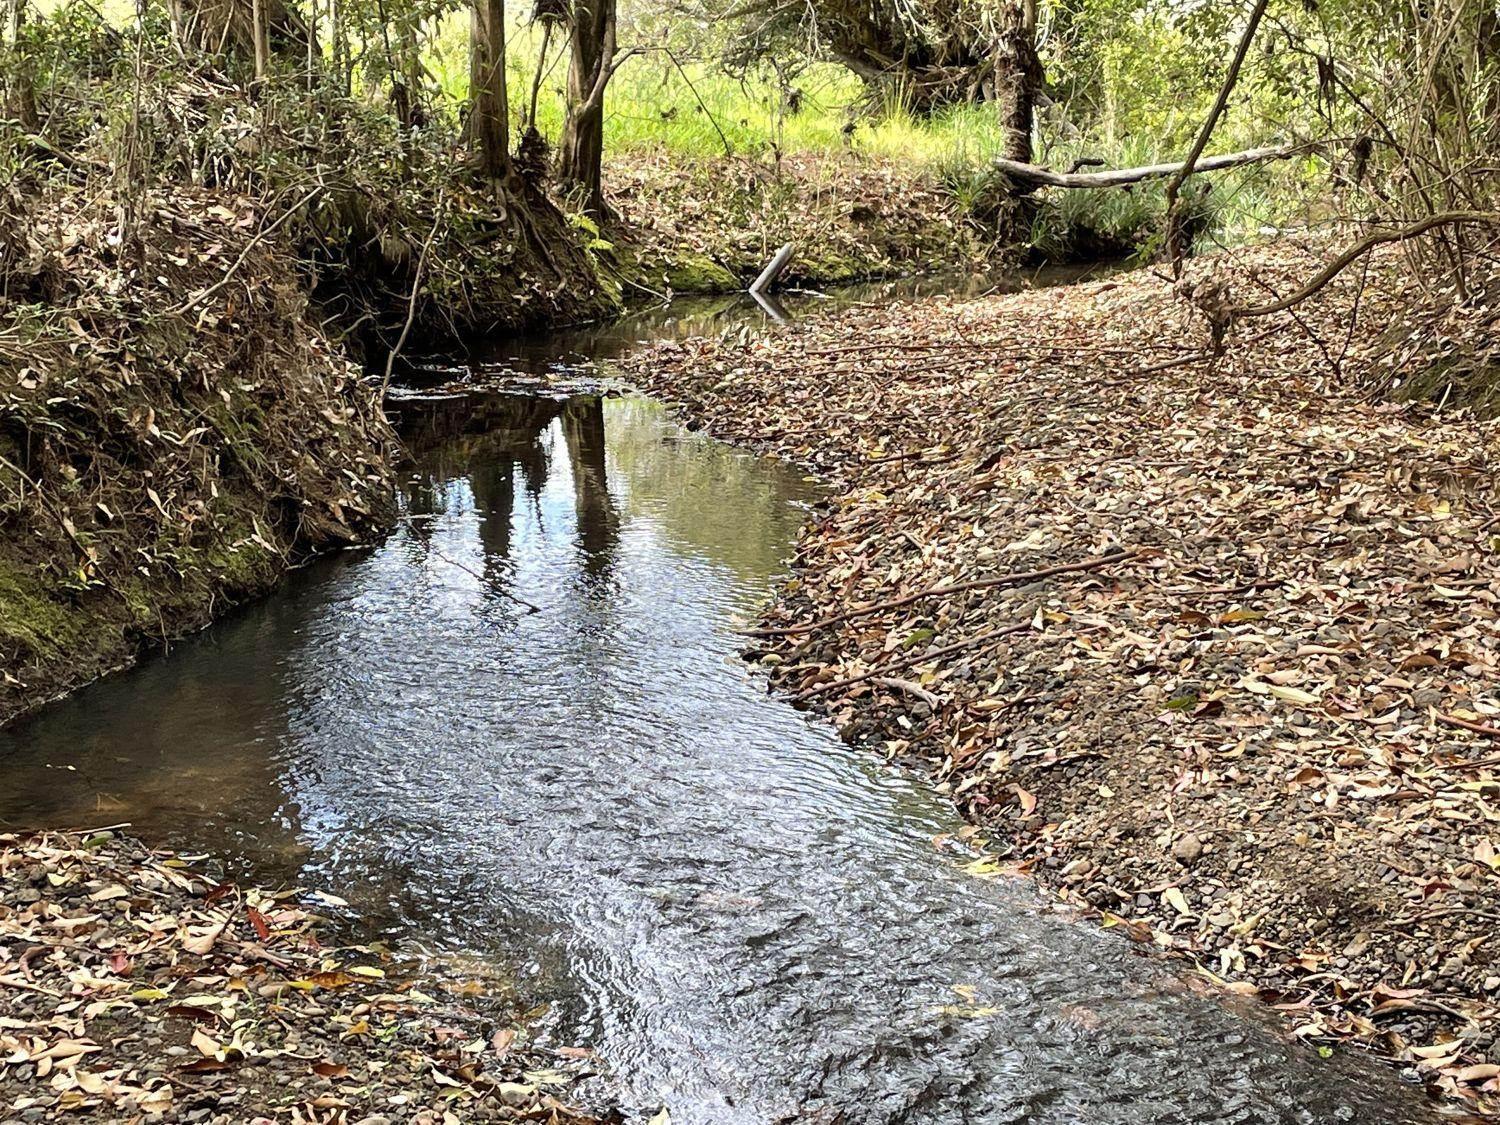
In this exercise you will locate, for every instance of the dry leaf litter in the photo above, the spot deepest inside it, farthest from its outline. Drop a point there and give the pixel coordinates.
(134, 986)
(1209, 647)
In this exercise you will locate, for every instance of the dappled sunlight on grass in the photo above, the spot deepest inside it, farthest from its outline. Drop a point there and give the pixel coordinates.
(660, 100)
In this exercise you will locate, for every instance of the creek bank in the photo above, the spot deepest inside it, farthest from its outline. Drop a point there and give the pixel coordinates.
(136, 984)
(710, 225)
(180, 421)
(175, 430)
(1210, 649)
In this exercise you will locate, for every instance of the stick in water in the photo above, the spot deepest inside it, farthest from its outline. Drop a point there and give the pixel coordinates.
(774, 269)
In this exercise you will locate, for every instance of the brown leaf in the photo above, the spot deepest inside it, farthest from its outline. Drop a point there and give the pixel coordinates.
(194, 1013)
(258, 920)
(203, 1066)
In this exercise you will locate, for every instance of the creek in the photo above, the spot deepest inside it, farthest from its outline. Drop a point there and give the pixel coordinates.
(517, 733)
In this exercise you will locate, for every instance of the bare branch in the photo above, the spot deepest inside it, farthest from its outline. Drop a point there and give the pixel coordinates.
(1029, 177)
(1174, 239)
(1355, 252)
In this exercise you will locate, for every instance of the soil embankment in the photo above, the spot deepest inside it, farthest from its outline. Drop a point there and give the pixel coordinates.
(140, 986)
(1209, 647)
(175, 430)
(707, 226)
(179, 417)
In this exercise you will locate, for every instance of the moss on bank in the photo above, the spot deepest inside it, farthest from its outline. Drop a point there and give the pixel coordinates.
(174, 431)
(1442, 352)
(710, 225)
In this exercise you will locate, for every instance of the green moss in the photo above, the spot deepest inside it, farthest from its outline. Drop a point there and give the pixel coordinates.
(34, 620)
(834, 269)
(1461, 377)
(698, 273)
(1477, 389)
(238, 566)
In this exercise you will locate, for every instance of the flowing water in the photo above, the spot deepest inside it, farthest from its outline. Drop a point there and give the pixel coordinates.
(518, 731)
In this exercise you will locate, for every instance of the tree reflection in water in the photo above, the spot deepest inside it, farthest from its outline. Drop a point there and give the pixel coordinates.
(501, 449)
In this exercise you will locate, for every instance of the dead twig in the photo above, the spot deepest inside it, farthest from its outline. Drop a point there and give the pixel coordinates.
(490, 585)
(1175, 242)
(234, 267)
(416, 289)
(884, 671)
(1359, 250)
(942, 589)
(1466, 724)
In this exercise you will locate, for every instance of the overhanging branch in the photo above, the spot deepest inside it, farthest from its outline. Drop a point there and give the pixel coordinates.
(1358, 251)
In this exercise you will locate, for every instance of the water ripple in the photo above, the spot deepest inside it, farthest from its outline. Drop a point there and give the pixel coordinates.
(750, 922)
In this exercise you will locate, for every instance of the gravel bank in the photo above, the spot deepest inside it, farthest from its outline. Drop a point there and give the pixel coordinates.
(134, 986)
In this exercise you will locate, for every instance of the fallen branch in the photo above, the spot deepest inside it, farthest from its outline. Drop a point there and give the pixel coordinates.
(1166, 365)
(1175, 241)
(1014, 579)
(265, 233)
(1466, 724)
(1029, 177)
(883, 673)
(774, 269)
(916, 691)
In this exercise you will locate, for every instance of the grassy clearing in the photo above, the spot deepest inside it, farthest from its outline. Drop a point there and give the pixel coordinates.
(662, 100)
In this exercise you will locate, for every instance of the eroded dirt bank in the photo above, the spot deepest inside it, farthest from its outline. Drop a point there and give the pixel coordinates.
(180, 419)
(709, 226)
(175, 429)
(139, 985)
(1211, 648)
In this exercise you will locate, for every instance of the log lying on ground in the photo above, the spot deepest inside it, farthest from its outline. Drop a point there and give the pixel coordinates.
(1030, 177)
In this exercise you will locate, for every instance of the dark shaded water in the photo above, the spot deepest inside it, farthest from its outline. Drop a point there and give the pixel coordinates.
(557, 354)
(750, 922)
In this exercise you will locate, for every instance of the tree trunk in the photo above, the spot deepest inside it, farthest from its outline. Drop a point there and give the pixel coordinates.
(261, 38)
(1018, 77)
(20, 76)
(489, 109)
(581, 158)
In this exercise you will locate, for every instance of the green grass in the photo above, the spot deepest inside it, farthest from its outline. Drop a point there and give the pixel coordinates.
(662, 101)
(686, 108)
(1240, 205)
(695, 110)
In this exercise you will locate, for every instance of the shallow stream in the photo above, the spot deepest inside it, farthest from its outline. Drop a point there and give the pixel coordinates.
(518, 731)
